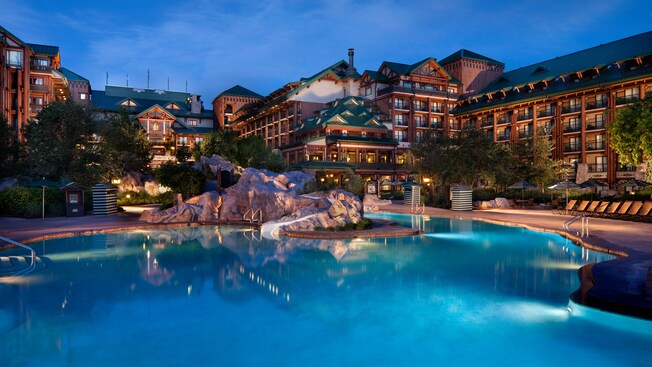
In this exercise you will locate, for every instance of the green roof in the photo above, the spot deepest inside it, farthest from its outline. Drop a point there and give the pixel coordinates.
(350, 111)
(466, 54)
(325, 165)
(405, 69)
(72, 76)
(377, 76)
(111, 98)
(240, 91)
(595, 57)
(5, 31)
(602, 58)
(44, 49)
(360, 139)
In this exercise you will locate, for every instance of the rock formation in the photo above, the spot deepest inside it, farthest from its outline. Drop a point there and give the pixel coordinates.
(372, 202)
(275, 197)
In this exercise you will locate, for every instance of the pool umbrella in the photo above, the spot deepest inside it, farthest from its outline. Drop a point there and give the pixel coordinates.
(523, 185)
(593, 184)
(561, 185)
(635, 182)
(43, 183)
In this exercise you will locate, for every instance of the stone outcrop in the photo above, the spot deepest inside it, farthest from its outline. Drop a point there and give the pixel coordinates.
(200, 208)
(277, 198)
(214, 162)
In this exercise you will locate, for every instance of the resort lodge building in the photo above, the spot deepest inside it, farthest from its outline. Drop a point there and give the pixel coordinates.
(170, 119)
(571, 99)
(31, 76)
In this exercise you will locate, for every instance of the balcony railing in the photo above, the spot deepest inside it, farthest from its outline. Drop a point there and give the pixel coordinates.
(489, 122)
(421, 108)
(504, 119)
(503, 136)
(600, 167)
(438, 125)
(422, 124)
(627, 169)
(524, 134)
(572, 148)
(437, 110)
(545, 113)
(595, 145)
(596, 104)
(571, 128)
(40, 67)
(401, 123)
(571, 109)
(625, 100)
(401, 106)
(455, 127)
(595, 125)
(44, 88)
(524, 116)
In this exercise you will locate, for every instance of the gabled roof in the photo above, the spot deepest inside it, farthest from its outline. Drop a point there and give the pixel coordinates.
(44, 49)
(72, 76)
(376, 76)
(157, 107)
(240, 91)
(595, 57)
(405, 69)
(111, 98)
(466, 54)
(350, 111)
(13, 36)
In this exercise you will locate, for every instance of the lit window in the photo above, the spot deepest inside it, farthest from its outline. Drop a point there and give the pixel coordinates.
(82, 96)
(14, 58)
(183, 140)
(128, 103)
(192, 122)
(43, 62)
(156, 127)
(38, 101)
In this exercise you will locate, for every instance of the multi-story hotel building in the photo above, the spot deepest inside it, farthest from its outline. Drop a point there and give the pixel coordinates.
(572, 99)
(170, 119)
(227, 103)
(569, 98)
(31, 77)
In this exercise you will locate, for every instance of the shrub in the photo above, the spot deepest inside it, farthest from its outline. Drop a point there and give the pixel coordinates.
(365, 224)
(27, 202)
(181, 178)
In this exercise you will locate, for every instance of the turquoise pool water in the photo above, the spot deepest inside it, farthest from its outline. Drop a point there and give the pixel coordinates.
(465, 293)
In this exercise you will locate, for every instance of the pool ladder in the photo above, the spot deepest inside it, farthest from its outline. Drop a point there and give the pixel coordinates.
(585, 225)
(18, 265)
(252, 216)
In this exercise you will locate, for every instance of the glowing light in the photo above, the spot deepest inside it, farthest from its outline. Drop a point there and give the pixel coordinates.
(189, 289)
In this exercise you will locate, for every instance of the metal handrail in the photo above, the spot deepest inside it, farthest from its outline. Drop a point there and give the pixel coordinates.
(253, 213)
(585, 225)
(32, 266)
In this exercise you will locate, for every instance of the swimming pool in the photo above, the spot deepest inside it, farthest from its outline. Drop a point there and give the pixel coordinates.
(464, 293)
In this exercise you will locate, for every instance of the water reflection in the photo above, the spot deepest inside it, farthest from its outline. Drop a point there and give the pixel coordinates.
(87, 277)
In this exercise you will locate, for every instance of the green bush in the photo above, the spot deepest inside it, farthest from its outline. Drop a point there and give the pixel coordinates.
(181, 178)
(398, 195)
(142, 197)
(27, 202)
(365, 224)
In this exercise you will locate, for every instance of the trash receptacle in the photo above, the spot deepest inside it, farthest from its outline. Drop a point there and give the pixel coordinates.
(461, 198)
(105, 199)
(74, 200)
(412, 194)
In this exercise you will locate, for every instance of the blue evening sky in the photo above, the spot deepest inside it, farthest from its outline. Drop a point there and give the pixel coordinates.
(264, 44)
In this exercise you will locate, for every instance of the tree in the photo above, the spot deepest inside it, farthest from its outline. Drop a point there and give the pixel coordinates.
(62, 143)
(221, 142)
(181, 178)
(533, 161)
(9, 149)
(630, 134)
(126, 145)
(183, 154)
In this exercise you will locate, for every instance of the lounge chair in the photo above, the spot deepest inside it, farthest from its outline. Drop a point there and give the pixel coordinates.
(591, 208)
(622, 209)
(599, 210)
(569, 206)
(644, 212)
(580, 207)
(611, 209)
(631, 213)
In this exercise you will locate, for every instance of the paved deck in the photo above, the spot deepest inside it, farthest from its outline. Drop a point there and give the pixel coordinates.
(617, 285)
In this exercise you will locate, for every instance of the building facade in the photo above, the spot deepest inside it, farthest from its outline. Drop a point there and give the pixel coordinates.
(31, 77)
(570, 98)
(170, 119)
(234, 99)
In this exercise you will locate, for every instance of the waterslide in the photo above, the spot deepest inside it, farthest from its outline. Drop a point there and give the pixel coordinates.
(270, 230)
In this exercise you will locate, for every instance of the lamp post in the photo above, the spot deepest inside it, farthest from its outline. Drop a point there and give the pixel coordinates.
(395, 149)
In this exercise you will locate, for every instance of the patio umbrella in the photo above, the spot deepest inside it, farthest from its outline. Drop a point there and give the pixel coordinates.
(593, 184)
(561, 185)
(43, 183)
(523, 185)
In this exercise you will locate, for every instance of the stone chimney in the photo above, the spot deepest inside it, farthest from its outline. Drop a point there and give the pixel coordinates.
(195, 103)
(351, 70)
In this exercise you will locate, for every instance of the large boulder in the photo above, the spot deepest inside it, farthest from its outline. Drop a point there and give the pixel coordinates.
(372, 202)
(202, 208)
(214, 162)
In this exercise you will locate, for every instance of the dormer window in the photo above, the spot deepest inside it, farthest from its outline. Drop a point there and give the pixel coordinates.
(172, 106)
(128, 103)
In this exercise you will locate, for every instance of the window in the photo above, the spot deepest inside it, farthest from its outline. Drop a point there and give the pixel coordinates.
(156, 126)
(367, 91)
(38, 101)
(42, 62)
(82, 96)
(36, 81)
(183, 140)
(198, 140)
(626, 96)
(420, 135)
(371, 157)
(128, 103)
(420, 105)
(434, 121)
(172, 106)
(400, 135)
(436, 107)
(400, 103)
(192, 122)
(14, 58)
(400, 120)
